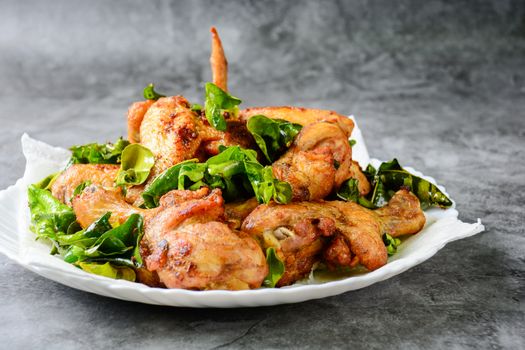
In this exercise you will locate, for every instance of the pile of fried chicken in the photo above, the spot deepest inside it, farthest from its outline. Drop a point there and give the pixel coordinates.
(193, 240)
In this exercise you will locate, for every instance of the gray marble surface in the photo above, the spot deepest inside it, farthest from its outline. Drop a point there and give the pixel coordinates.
(438, 84)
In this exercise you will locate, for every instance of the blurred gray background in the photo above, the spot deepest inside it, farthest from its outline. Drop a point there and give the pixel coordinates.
(439, 84)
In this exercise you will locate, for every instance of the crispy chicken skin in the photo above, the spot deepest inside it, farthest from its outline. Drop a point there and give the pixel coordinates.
(136, 114)
(171, 131)
(69, 179)
(174, 133)
(320, 159)
(219, 65)
(236, 212)
(96, 201)
(186, 243)
(343, 233)
(318, 162)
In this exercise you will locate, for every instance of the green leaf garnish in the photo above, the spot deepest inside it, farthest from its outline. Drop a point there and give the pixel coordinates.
(349, 190)
(49, 216)
(391, 244)
(95, 153)
(80, 188)
(391, 177)
(109, 270)
(352, 142)
(273, 136)
(386, 181)
(235, 171)
(100, 243)
(151, 94)
(135, 166)
(276, 268)
(217, 103)
(196, 107)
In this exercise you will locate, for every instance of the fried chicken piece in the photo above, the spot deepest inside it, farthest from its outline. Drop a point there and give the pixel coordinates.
(218, 62)
(344, 233)
(236, 134)
(320, 159)
(174, 133)
(318, 162)
(96, 201)
(69, 179)
(136, 114)
(171, 131)
(236, 212)
(185, 242)
(296, 231)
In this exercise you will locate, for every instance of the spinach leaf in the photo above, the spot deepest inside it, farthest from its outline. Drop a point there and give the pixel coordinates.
(49, 216)
(150, 93)
(109, 270)
(135, 166)
(235, 171)
(273, 136)
(219, 103)
(95, 153)
(276, 268)
(391, 177)
(391, 244)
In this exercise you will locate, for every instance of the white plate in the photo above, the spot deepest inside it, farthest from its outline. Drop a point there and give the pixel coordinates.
(18, 243)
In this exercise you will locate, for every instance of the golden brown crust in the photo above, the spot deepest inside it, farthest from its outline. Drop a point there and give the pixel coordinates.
(136, 113)
(99, 174)
(171, 131)
(218, 62)
(348, 233)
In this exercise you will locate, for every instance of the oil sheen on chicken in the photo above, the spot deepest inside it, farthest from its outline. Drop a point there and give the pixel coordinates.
(339, 233)
(186, 243)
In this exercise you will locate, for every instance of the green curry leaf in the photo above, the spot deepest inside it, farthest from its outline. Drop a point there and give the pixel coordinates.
(49, 216)
(273, 136)
(135, 166)
(235, 171)
(275, 267)
(391, 177)
(95, 153)
(217, 103)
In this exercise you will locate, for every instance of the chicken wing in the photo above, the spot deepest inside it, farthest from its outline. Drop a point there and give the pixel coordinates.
(65, 184)
(172, 131)
(343, 233)
(136, 113)
(186, 243)
(318, 162)
(218, 62)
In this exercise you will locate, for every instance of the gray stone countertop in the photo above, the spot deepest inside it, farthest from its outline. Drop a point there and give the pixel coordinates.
(440, 86)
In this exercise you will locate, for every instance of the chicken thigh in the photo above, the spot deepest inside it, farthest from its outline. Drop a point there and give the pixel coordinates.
(343, 233)
(186, 243)
(318, 162)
